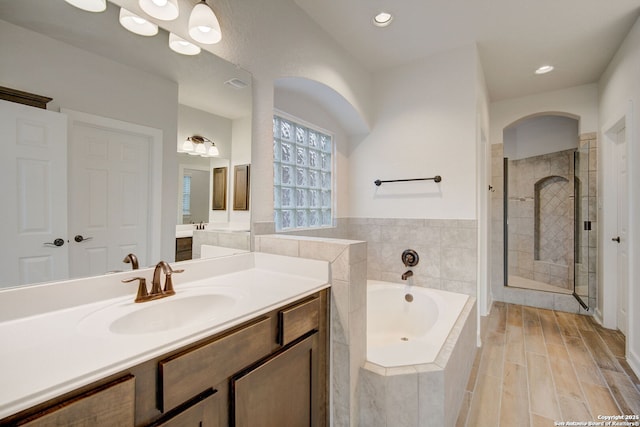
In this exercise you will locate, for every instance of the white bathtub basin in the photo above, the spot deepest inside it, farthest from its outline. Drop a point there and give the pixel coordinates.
(400, 332)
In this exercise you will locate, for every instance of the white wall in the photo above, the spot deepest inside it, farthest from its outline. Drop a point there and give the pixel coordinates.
(540, 135)
(581, 101)
(233, 139)
(425, 125)
(192, 121)
(81, 81)
(240, 155)
(306, 109)
(483, 162)
(620, 100)
(274, 39)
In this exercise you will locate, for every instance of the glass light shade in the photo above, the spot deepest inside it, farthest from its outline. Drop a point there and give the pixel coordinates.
(165, 10)
(203, 24)
(187, 146)
(180, 45)
(213, 150)
(136, 24)
(201, 149)
(89, 5)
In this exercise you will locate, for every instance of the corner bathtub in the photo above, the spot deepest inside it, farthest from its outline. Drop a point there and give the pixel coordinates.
(421, 343)
(402, 333)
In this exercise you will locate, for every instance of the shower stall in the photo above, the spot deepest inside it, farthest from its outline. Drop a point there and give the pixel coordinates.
(549, 205)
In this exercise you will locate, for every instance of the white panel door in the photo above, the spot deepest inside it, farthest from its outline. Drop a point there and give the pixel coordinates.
(109, 194)
(33, 169)
(623, 229)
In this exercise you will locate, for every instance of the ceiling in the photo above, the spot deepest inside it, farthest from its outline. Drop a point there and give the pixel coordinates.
(514, 37)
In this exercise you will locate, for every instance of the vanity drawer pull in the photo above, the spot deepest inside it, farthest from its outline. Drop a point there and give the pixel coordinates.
(294, 322)
(184, 375)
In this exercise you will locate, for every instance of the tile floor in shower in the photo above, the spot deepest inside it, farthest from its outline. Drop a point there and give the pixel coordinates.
(539, 366)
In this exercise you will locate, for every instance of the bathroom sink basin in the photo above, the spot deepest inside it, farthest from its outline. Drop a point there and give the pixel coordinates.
(186, 308)
(171, 313)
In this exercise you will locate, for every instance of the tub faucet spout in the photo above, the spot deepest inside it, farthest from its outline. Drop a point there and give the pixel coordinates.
(407, 274)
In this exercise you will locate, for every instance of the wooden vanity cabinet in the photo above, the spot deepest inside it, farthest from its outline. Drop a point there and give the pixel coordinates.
(269, 371)
(280, 391)
(109, 404)
(202, 411)
(184, 248)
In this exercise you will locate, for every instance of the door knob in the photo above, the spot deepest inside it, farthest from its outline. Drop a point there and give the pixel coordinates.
(57, 242)
(79, 238)
(616, 239)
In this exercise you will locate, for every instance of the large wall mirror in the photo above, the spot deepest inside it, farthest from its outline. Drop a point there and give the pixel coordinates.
(102, 77)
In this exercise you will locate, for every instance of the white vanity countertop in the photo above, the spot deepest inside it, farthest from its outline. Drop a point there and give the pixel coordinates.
(46, 351)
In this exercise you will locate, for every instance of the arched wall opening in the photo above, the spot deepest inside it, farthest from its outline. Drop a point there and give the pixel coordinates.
(545, 248)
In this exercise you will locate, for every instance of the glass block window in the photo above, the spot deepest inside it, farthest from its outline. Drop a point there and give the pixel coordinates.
(303, 175)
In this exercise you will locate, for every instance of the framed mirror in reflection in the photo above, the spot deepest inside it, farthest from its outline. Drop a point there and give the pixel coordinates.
(121, 105)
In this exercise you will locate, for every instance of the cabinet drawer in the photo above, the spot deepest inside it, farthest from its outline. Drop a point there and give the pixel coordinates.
(294, 322)
(109, 405)
(188, 374)
(201, 412)
(183, 244)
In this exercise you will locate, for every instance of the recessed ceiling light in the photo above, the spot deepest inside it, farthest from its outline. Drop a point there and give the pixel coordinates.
(544, 69)
(382, 19)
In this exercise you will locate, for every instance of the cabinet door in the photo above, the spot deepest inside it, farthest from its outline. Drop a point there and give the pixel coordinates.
(279, 392)
(202, 413)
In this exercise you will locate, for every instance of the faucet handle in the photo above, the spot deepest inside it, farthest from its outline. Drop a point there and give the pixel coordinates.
(168, 282)
(143, 294)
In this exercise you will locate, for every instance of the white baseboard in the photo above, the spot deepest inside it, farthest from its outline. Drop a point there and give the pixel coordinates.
(597, 316)
(634, 361)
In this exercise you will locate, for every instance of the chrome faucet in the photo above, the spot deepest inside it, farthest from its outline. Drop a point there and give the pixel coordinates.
(407, 274)
(157, 291)
(131, 259)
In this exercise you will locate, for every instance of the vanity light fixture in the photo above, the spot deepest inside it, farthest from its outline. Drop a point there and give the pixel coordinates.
(89, 5)
(165, 10)
(180, 45)
(544, 69)
(197, 145)
(136, 24)
(382, 19)
(203, 24)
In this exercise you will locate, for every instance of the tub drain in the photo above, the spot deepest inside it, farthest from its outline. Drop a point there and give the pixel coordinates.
(408, 297)
(404, 339)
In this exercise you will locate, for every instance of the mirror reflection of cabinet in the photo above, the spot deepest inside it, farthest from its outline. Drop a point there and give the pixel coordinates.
(219, 196)
(241, 188)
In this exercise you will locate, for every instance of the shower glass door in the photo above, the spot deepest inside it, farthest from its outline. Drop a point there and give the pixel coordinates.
(584, 238)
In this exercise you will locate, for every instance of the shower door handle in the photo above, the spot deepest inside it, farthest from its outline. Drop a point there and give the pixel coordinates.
(616, 239)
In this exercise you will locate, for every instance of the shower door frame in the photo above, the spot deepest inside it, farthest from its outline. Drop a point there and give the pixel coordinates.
(577, 226)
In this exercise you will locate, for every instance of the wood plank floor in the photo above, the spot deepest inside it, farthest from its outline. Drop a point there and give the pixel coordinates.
(537, 367)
